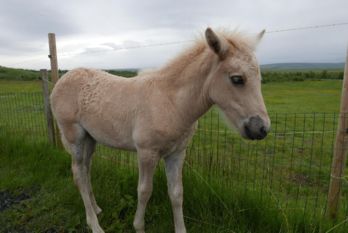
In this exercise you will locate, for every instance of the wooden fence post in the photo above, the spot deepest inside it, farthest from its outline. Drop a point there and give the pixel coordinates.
(54, 75)
(340, 151)
(48, 112)
(53, 57)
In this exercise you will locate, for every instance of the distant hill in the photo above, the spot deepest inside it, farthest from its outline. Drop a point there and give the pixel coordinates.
(302, 66)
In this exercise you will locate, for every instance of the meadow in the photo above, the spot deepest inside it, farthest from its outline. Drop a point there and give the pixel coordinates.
(231, 185)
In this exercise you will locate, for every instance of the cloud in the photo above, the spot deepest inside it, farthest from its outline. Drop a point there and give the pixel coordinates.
(112, 45)
(96, 33)
(33, 19)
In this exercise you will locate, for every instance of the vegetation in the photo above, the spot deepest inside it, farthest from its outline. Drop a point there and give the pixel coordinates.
(280, 97)
(39, 196)
(123, 73)
(286, 76)
(302, 66)
(18, 74)
(15, 74)
(303, 97)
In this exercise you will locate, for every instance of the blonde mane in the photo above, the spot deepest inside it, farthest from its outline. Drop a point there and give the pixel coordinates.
(238, 40)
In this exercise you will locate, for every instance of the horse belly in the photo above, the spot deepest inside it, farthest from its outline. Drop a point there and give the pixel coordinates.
(110, 135)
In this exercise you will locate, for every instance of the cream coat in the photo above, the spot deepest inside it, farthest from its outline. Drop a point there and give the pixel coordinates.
(156, 112)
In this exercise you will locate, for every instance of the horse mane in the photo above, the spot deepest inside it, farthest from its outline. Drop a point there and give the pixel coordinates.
(238, 40)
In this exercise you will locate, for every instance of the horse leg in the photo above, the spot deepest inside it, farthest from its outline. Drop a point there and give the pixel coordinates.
(147, 161)
(74, 137)
(174, 164)
(89, 148)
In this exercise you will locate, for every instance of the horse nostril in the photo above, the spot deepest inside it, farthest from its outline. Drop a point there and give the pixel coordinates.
(263, 131)
(255, 128)
(248, 132)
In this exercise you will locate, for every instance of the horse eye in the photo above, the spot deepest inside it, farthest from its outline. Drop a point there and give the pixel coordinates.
(237, 79)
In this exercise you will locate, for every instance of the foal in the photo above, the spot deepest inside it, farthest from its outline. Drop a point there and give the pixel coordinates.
(155, 114)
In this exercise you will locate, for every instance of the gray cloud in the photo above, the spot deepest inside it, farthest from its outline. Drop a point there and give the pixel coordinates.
(85, 28)
(25, 24)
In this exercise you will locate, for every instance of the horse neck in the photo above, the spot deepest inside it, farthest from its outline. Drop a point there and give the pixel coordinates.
(185, 78)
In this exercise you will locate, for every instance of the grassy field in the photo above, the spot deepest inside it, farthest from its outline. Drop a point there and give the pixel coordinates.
(279, 96)
(303, 97)
(18, 74)
(20, 86)
(277, 185)
(39, 196)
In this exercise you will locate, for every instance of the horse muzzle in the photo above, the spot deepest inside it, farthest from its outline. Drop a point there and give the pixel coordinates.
(255, 128)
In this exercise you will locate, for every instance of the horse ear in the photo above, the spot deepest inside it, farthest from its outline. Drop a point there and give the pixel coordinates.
(259, 37)
(215, 43)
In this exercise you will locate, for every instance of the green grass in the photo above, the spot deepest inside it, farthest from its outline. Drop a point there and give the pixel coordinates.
(43, 173)
(319, 96)
(286, 76)
(303, 97)
(19, 80)
(20, 86)
(14, 74)
(18, 74)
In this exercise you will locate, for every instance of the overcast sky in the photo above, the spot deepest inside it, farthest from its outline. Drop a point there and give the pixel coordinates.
(94, 33)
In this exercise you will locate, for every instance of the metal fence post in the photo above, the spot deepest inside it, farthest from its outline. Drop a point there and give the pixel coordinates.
(340, 151)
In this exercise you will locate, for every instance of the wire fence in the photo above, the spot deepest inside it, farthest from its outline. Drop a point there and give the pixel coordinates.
(167, 43)
(292, 164)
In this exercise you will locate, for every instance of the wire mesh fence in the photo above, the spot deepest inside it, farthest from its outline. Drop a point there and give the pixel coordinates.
(23, 114)
(292, 165)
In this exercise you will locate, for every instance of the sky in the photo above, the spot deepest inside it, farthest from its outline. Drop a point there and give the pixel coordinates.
(99, 34)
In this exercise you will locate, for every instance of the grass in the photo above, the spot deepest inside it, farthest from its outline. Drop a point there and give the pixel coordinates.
(279, 96)
(298, 76)
(20, 86)
(14, 74)
(54, 205)
(303, 97)
(18, 74)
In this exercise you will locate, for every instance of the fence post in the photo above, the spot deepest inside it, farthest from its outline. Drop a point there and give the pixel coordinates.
(48, 112)
(53, 57)
(54, 74)
(340, 151)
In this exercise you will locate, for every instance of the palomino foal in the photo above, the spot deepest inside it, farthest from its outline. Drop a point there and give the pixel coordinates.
(155, 114)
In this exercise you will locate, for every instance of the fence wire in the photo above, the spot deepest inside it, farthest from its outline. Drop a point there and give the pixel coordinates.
(292, 165)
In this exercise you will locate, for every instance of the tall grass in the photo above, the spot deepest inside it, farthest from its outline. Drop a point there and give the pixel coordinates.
(54, 204)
